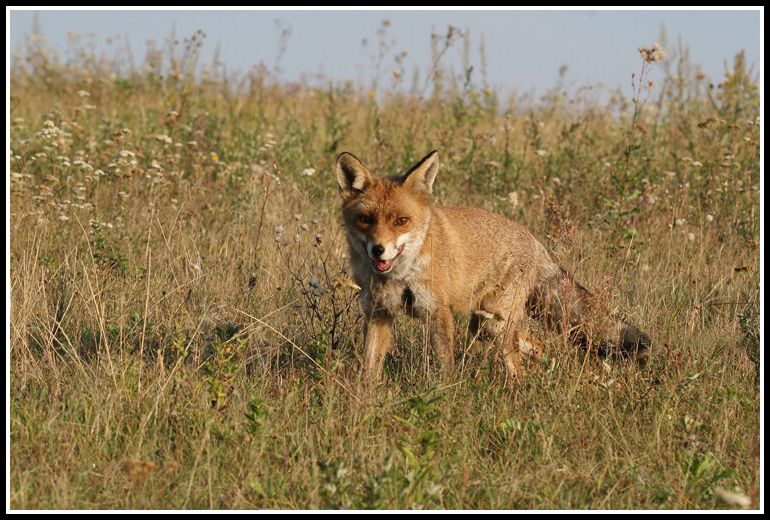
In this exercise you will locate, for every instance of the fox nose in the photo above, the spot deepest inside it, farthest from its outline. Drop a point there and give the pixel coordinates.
(377, 251)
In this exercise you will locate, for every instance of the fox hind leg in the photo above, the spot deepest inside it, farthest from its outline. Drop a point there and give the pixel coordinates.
(513, 344)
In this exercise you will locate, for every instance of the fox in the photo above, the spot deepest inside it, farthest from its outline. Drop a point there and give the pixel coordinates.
(431, 262)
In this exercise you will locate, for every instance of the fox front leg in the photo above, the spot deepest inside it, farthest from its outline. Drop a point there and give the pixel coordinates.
(377, 339)
(442, 339)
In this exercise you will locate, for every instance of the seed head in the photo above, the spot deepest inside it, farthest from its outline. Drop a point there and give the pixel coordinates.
(651, 54)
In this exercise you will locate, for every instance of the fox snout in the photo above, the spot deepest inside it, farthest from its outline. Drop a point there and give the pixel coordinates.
(377, 252)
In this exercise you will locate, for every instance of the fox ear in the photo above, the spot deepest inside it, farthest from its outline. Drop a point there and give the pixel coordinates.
(351, 173)
(422, 174)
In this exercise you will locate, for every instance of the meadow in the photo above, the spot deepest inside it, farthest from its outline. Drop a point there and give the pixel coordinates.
(184, 333)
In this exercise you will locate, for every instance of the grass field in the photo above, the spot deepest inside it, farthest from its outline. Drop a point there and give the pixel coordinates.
(183, 334)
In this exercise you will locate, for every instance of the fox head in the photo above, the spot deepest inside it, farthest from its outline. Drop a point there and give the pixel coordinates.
(386, 218)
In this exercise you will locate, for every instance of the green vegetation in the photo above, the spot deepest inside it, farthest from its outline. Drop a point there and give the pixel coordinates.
(183, 333)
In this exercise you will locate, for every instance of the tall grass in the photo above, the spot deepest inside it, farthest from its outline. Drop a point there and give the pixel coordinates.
(184, 334)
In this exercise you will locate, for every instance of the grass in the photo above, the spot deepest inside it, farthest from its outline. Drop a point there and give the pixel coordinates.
(183, 335)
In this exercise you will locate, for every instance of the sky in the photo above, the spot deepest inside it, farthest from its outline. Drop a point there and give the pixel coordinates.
(523, 50)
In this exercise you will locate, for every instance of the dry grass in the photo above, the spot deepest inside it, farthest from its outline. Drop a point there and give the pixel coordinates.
(182, 335)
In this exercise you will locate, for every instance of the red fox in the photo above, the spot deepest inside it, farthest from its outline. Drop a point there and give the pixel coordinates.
(432, 261)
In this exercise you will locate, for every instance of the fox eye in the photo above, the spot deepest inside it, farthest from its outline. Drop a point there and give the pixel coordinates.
(400, 221)
(365, 219)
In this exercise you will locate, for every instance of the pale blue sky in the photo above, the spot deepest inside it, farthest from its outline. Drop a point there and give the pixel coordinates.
(524, 49)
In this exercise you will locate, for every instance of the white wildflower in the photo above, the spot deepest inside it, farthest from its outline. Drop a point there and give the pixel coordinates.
(733, 498)
(194, 268)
